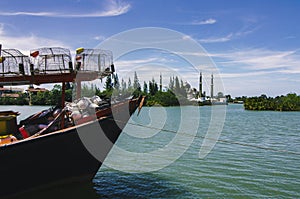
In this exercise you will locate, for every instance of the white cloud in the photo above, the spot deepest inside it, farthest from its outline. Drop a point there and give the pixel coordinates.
(234, 35)
(99, 38)
(113, 8)
(26, 43)
(261, 59)
(134, 63)
(116, 7)
(187, 37)
(204, 22)
(256, 71)
(45, 14)
(251, 62)
(216, 39)
(245, 74)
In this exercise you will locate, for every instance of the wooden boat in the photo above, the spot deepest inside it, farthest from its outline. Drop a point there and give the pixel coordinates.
(67, 154)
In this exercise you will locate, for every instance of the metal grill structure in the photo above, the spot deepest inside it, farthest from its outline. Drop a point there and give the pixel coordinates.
(96, 60)
(53, 65)
(51, 60)
(13, 62)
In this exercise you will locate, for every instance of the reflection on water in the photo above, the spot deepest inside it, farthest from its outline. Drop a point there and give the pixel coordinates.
(113, 184)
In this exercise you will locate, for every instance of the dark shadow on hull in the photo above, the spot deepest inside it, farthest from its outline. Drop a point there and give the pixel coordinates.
(58, 158)
(72, 190)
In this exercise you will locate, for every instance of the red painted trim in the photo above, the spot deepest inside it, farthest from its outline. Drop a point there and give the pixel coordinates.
(24, 133)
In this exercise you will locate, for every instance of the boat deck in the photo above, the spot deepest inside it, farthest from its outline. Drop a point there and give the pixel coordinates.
(48, 78)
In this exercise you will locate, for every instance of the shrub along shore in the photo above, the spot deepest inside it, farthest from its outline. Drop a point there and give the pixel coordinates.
(290, 102)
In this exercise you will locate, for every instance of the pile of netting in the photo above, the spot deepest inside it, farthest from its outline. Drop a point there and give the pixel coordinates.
(85, 107)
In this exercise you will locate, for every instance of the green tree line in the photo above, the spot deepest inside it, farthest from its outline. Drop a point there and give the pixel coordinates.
(290, 102)
(52, 97)
(175, 94)
(172, 95)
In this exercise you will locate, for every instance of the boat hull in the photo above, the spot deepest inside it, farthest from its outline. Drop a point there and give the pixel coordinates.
(69, 155)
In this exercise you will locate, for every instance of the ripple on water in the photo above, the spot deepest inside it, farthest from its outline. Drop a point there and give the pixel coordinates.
(234, 169)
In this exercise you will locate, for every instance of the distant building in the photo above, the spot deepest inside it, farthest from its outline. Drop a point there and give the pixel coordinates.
(202, 98)
(212, 88)
(200, 86)
(36, 90)
(10, 92)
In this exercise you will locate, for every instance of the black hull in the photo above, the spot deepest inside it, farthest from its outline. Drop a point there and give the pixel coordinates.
(60, 157)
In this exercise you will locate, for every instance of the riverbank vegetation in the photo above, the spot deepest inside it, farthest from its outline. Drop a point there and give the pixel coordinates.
(290, 102)
(176, 93)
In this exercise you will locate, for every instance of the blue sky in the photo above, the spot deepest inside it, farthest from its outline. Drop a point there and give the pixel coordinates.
(254, 44)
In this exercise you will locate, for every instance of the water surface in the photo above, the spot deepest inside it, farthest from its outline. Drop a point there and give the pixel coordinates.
(257, 156)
